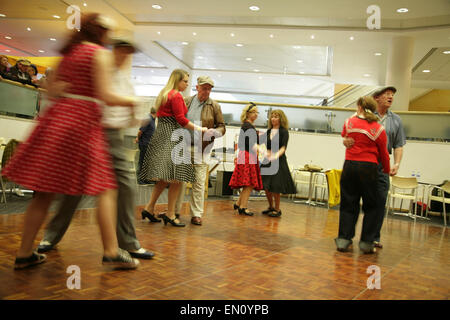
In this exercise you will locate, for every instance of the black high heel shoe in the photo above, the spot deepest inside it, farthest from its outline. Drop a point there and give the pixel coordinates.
(149, 216)
(245, 211)
(172, 221)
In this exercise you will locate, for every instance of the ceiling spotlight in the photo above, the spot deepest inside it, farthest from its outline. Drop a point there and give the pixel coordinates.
(219, 75)
(232, 34)
(194, 33)
(271, 35)
(248, 59)
(185, 43)
(239, 45)
(260, 78)
(28, 29)
(378, 53)
(52, 39)
(8, 37)
(156, 6)
(366, 75)
(297, 47)
(302, 72)
(7, 50)
(254, 8)
(446, 52)
(312, 36)
(199, 57)
(402, 10)
(41, 51)
(85, 4)
(159, 32)
(352, 38)
(56, 16)
(256, 70)
(426, 71)
(2, 15)
(300, 61)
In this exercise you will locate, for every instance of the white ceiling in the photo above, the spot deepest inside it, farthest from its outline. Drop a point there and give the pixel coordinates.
(271, 38)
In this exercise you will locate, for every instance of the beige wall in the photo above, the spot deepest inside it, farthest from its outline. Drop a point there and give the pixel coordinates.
(435, 100)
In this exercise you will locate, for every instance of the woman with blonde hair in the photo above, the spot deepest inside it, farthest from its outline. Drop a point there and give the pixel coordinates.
(275, 173)
(246, 172)
(164, 161)
(360, 175)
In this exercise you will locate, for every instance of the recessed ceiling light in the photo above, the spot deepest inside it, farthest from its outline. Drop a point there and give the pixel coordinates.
(313, 36)
(199, 57)
(232, 34)
(7, 50)
(85, 4)
(260, 78)
(271, 35)
(239, 45)
(156, 6)
(256, 70)
(41, 51)
(426, 71)
(254, 8)
(402, 10)
(446, 52)
(8, 37)
(159, 32)
(302, 72)
(194, 33)
(366, 75)
(2, 15)
(185, 43)
(378, 53)
(152, 71)
(52, 39)
(300, 61)
(297, 47)
(28, 29)
(352, 38)
(219, 75)
(56, 16)
(248, 59)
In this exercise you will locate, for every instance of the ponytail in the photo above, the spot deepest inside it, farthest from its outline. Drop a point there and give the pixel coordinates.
(369, 105)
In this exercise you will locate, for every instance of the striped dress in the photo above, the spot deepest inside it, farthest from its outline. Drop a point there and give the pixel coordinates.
(67, 152)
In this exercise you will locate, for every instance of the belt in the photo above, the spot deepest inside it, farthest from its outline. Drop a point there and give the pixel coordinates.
(80, 97)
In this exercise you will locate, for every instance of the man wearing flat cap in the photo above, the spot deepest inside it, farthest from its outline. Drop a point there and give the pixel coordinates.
(19, 72)
(113, 122)
(201, 108)
(396, 140)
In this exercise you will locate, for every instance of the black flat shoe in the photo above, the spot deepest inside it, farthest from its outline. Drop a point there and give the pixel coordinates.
(245, 211)
(275, 214)
(172, 221)
(269, 210)
(42, 248)
(144, 255)
(32, 260)
(235, 206)
(149, 216)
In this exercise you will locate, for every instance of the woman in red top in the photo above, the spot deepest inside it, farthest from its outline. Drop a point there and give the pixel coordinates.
(360, 174)
(67, 151)
(167, 159)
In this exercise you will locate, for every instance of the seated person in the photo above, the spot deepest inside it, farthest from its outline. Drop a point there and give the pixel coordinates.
(32, 71)
(19, 72)
(4, 66)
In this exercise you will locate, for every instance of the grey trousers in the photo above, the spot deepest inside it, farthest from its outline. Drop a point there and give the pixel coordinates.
(126, 233)
(383, 189)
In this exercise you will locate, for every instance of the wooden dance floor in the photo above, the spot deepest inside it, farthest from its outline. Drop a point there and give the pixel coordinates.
(236, 257)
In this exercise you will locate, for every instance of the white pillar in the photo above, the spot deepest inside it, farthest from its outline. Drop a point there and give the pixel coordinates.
(399, 69)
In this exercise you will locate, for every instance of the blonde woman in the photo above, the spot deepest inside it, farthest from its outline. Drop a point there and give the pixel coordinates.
(158, 164)
(275, 173)
(360, 176)
(246, 172)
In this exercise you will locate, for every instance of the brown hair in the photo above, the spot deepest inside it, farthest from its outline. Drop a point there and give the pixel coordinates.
(283, 119)
(2, 67)
(369, 106)
(90, 30)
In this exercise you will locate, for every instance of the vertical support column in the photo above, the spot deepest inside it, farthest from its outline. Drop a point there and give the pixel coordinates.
(399, 70)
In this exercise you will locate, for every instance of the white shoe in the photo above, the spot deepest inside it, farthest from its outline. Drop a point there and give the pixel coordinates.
(18, 192)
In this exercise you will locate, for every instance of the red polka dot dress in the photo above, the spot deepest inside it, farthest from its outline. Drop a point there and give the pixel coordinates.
(246, 171)
(67, 152)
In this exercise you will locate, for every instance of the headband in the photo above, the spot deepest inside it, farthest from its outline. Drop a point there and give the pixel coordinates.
(251, 106)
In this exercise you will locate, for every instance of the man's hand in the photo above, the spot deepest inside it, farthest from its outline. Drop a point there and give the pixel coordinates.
(394, 169)
(208, 134)
(348, 142)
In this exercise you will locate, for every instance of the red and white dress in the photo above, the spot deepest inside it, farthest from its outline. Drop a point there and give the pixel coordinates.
(67, 152)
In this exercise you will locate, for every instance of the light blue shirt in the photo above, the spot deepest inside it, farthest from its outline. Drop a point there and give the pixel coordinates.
(393, 125)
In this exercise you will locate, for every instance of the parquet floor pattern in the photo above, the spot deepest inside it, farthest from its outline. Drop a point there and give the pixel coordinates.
(235, 257)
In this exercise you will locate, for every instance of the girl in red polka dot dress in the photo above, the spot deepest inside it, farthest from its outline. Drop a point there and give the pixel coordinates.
(247, 174)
